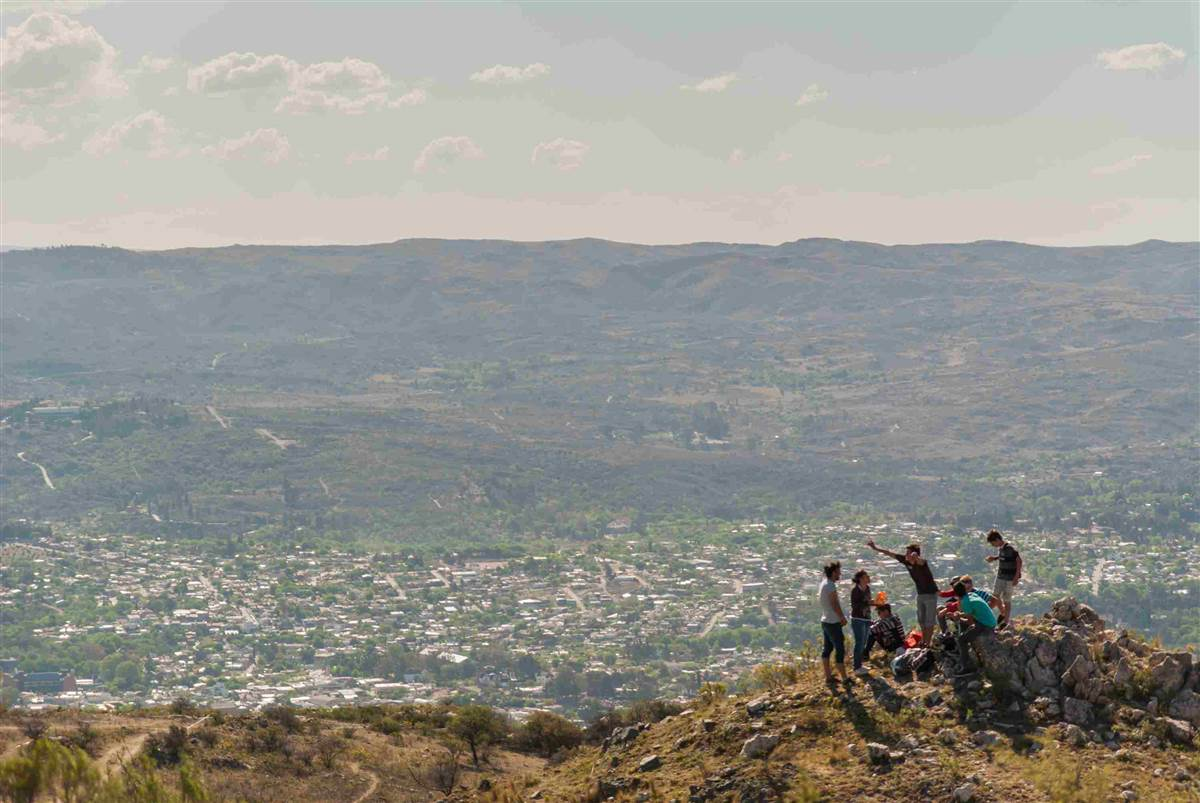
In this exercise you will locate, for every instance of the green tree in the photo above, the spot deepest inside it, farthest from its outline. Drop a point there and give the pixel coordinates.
(480, 727)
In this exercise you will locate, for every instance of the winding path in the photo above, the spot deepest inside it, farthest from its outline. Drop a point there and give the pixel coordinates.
(45, 474)
(374, 783)
(217, 416)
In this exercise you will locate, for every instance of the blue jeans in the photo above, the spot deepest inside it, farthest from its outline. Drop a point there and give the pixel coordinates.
(862, 640)
(835, 641)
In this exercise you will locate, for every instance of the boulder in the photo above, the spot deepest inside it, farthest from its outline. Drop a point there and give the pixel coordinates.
(756, 708)
(878, 753)
(947, 736)
(1186, 706)
(1122, 672)
(964, 793)
(1179, 731)
(985, 738)
(759, 745)
(1074, 735)
(1071, 646)
(1078, 671)
(1046, 652)
(649, 763)
(1077, 711)
(624, 735)
(1169, 671)
(1040, 675)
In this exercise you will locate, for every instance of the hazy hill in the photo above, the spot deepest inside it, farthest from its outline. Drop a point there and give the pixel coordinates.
(522, 374)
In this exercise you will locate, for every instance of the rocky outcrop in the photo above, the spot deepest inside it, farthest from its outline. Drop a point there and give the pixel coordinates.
(1068, 665)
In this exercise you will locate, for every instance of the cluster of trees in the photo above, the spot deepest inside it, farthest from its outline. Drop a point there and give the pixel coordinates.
(52, 770)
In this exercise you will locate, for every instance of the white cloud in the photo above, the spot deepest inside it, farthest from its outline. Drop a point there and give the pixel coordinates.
(737, 156)
(718, 83)
(1152, 57)
(813, 93)
(879, 161)
(350, 86)
(380, 154)
(147, 131)
(60, 6)
(235, 72)
(155, 64)
(53, 59)
(265, 144)
(306, 101)
(563, 154)
(345, 77)
(504, 74)
(1122, 165)
(444, 151)
(25, 134)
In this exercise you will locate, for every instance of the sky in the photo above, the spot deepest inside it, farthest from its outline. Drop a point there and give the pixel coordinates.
(162, 125)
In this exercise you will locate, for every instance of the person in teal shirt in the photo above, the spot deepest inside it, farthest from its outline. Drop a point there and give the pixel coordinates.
(977, 619)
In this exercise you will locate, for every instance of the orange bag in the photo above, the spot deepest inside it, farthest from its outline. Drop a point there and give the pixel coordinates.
(913, 639)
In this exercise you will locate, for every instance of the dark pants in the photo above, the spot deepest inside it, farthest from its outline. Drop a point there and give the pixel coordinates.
(963, 643)
(835, 641)
(862, 640)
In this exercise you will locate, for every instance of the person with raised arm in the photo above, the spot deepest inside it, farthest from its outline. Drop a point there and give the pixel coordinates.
(927, 588)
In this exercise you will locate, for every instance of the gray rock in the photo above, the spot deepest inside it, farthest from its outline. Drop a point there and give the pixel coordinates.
(964, 793)
(1122, 672)
(1038, 675)
(1168, 672)
(985, 738)
(649, 763)
(756, 708)
(1186, 706)
(759, 745)
(1077, 711)
(709, 725)
(878, 753)
(1182, 775)
(1129, 794)
(947, 736)
(1046, 653)
(1180, 732)
(1074, 735)
(625, 735)
(909, 742)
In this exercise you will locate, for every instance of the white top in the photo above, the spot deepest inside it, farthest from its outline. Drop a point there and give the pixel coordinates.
(828, 595)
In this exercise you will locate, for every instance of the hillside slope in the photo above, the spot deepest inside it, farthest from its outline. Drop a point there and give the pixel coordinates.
(1064, 710)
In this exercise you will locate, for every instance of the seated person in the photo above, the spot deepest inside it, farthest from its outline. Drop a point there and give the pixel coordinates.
(943, 614)
(976, 618)
(887, 631)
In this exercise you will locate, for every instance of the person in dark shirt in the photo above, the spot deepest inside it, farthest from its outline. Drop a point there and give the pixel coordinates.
(887, 631)
(1008, 573)
(927, 588)
(860, 617)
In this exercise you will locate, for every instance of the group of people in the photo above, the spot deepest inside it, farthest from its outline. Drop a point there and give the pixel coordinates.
(973, 611)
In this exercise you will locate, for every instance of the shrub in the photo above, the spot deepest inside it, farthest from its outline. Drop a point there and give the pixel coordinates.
(711, 692)
(546, 733)
(167, 749)
(650, 711)
(285, 716)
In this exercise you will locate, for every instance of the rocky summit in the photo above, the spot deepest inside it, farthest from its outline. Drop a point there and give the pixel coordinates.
(1062, 709)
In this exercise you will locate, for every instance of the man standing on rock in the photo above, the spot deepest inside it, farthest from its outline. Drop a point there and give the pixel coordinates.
(1008, 573)
(927, 589)
(832, 622)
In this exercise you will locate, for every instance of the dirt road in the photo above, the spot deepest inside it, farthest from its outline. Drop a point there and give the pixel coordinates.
(45, 474)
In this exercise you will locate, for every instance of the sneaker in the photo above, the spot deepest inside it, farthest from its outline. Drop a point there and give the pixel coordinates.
(862, 672)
